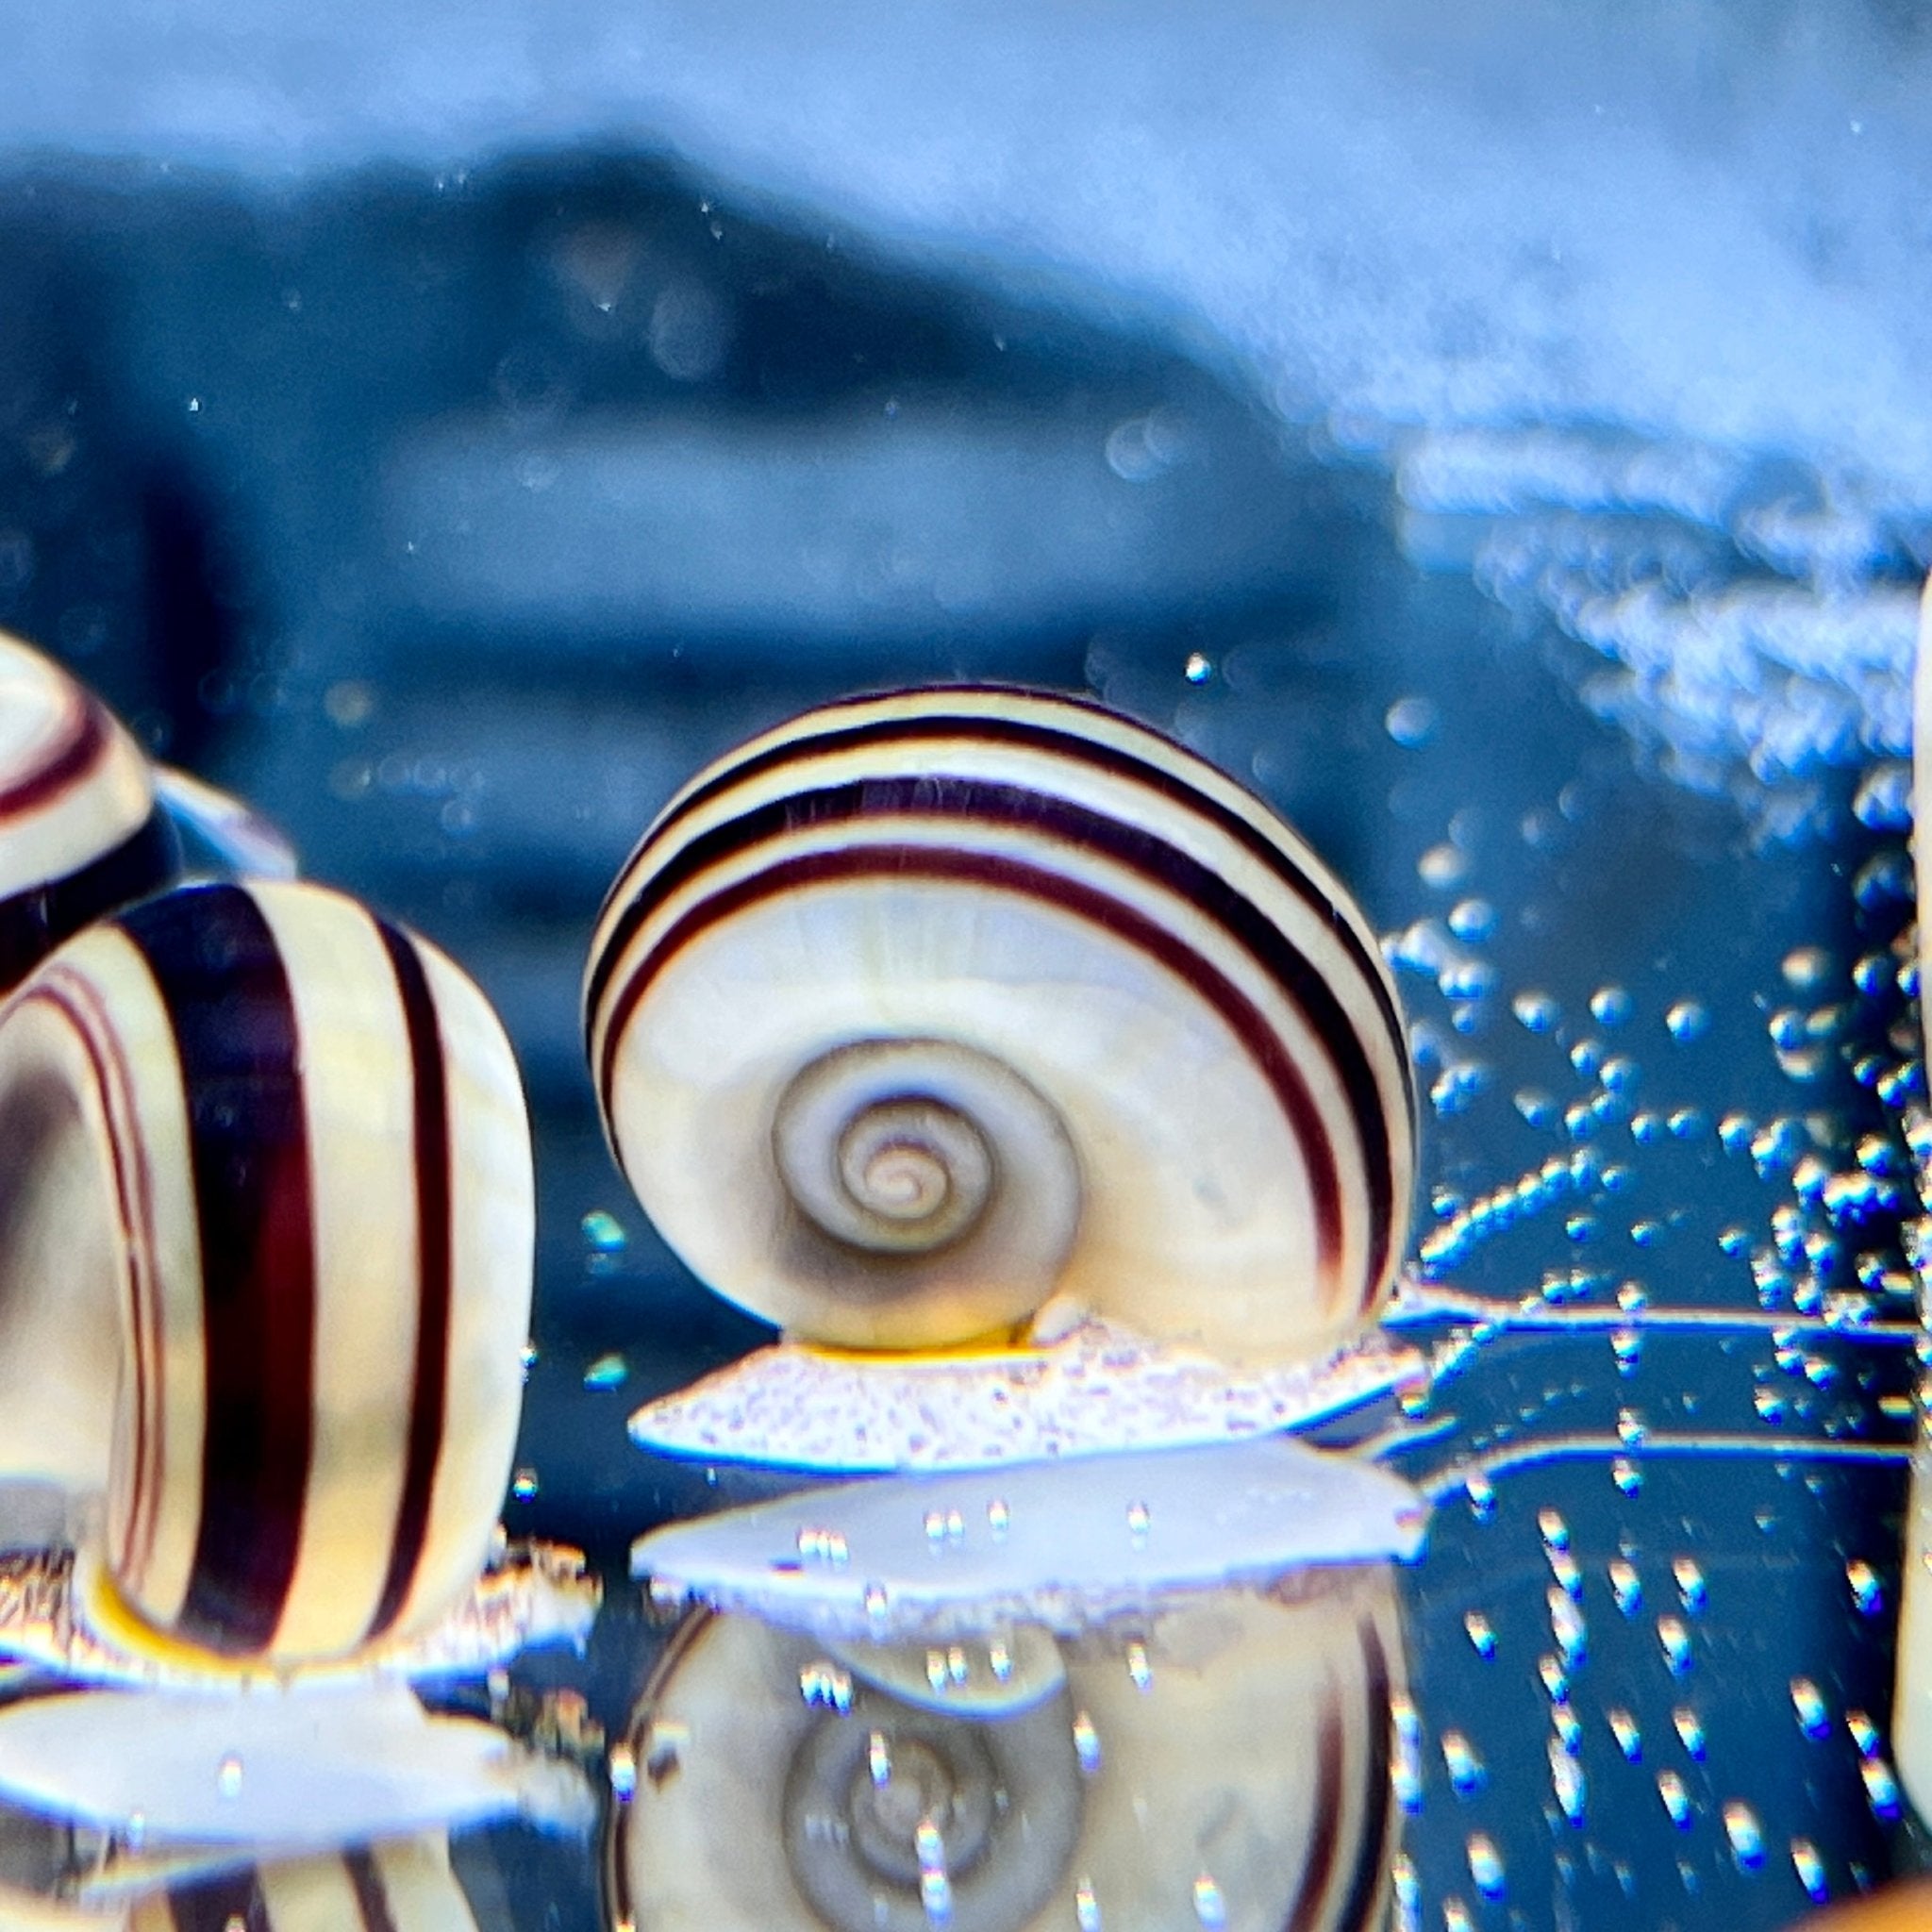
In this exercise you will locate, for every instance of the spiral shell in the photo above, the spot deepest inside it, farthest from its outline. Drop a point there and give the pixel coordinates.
(265, 1255)
(920, 1010)
(1240, 1741)
(79, 831)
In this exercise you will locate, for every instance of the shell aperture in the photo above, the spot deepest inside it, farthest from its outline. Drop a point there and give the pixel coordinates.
(275, 1149)
(1224, 1146)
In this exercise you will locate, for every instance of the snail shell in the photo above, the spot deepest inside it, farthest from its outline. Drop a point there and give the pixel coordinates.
(79, 831)
(265, 1251)
(923, 1010)
(1912, 1717)
(1242, 1740)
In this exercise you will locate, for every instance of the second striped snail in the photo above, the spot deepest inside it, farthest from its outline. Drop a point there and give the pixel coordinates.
(265, 1251)
(970, 1014)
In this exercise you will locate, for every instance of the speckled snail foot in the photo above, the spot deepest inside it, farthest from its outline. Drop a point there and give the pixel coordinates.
(924, 1014)
(80, 831)
(1225, 1761)
(265, 1258)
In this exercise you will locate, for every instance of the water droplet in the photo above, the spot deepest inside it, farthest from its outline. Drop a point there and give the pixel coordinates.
(1466, 1770)
(1611, 1005)
(1086, 1744)
(1884, 798)
(624, 1774)
(1805, 968)
(1687, 1020)
(1675, 1640)
(1810, 1704)
(998, 1517)
(1568, 1627)
(1867, 1592)
(1406, 1772)
(1473, 920)
(1480, 1635)
(1211, 1909)
(228, 1776)
(1555, 1531)
(1412, 721)
(1198, 669)
(1629, 1739)
(1567, 1780)
(1747, 1841)
(1690, 1729)
(1810, 1869)
(523, 1484)
(1138, 1523)
(1481, 1492)
(1691, 1587)
(877, 1602)
(1485, 1865)
(1864, 1733)
(1537, 1012)
(1881, 1786)
(1670, 1788)
(1443, 866)
(1085, 1907)
(825, 1686)
(607, 1372)
(604, 1232)
(1624, 1585)
(1140, 1671)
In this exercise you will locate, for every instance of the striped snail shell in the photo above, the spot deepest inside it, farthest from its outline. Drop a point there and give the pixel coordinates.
(266, 1226)
(79, 830)
(1238, 1741)
(922, 1011)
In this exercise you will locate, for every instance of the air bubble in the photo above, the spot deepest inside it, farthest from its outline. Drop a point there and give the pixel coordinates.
(604, 1233)
(1747, 1840)
(1868, 1594)
(1884, 798)
(1086, 1744)
(1467, 1775)
(1670, 1788)
(1473, 920)
(1610, 1005)
(1676, 1640)
(1211, 1909)
(1811, 1870)
(1881, 1788)
(1482, 1637)
(1691, 1587)
(1485, 1865)
(228, 1776)
(1805, 968)
(1808, 1702)
(1412, 721)
(1198, 669)
(1537, 1012)
(1629, 1739)
(1687, 1020)
(1690, 1729)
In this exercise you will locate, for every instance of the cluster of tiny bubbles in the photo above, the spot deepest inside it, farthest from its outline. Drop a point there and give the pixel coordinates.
(825, 1686)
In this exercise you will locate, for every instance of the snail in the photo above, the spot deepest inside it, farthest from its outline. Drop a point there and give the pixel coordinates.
(975, 1013)
(265, 1251)
(80, 831)
(1225, 1762)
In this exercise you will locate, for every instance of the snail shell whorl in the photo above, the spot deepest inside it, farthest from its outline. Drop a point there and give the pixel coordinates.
(79, 832)
(1211, 1121)
(277, 1164)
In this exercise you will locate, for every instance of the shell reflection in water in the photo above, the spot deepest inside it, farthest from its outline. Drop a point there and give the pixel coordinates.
(922, 1013)
(265, 1253)
(1225, 1765)
(80, 833)
(1912, 1706)
(53, 1880)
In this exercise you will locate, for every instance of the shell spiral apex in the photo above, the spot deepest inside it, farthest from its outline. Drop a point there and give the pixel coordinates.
(924, 1010)
(265, 1260)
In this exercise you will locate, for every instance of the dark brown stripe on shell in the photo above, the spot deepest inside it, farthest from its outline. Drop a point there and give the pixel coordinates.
(228, 1902)
(227, 994)
(34, 921)
(1372, 1847)
(65, 761)
(1057, 741)
(1236, 1012)
(371, 1895)
(1139, 851)
(429, 1389)
(1326, 1826)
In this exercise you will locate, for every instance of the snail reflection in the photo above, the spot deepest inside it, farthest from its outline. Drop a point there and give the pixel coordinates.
(1222, 1759)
